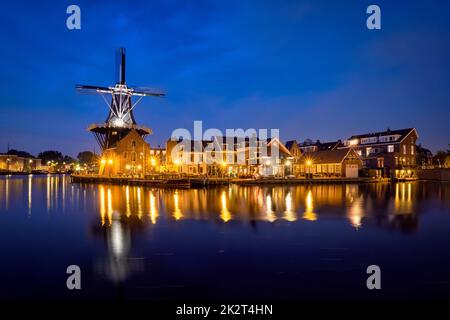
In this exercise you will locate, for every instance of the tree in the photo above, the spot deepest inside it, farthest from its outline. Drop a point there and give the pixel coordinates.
(443, 152)
(424, 156)
(51, 155)
(67, 159)
(87, 157)
(20, 153)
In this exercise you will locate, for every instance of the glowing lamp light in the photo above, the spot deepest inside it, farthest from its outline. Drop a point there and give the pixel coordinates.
(153, 161)
(110, 161)
(177, 162)
(308, 162)
(127, 167)
(224, 164)
(268, 162)
(119, 122)
(103, 161)
(288, 163)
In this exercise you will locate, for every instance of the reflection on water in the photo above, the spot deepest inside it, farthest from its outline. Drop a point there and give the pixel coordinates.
(116, 214)
(356, 203)
(309, 207)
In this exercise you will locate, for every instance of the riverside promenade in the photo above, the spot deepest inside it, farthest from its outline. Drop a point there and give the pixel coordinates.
(174, 181)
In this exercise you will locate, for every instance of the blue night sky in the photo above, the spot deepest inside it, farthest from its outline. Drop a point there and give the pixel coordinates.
(310, 68)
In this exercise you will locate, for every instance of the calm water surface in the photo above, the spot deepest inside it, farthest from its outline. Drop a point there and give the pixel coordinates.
(232, 242)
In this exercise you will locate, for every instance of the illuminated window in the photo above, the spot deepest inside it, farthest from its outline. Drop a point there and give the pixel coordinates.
(390, 148)
(412, 150)
(404, 149)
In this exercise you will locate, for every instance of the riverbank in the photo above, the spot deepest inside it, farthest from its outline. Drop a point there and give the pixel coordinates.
(192, 182)
(20, 173)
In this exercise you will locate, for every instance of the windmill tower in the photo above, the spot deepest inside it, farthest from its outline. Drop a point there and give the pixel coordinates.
(120, 138)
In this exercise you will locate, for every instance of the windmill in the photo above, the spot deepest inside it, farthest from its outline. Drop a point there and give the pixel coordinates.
(120, 120)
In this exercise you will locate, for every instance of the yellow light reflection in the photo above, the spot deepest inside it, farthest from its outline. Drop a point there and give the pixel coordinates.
(48, 192)
(64, 192)
(403, 201)
(153, 209)
(355, 205)
(102, 205)
(225, 215)
(177, 214)
(7, 193)
(110, 209)
(270, 214)
(289, 213)
(309, 208)
(356, 213)
(127, 201)
(139, 203)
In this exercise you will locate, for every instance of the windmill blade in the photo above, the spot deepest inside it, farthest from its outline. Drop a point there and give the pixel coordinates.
(144, 91)
(120, 66)
(92, 89)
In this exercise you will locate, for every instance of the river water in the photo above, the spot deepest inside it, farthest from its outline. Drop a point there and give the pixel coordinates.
(283, 242)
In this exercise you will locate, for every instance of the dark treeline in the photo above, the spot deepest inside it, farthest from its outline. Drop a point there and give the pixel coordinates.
(84, 157)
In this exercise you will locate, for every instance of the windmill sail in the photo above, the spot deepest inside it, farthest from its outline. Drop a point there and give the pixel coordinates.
(120, 118)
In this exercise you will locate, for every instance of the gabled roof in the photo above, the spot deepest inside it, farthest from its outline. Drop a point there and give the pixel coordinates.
(402, 132)
(283, 151)
(328, 156)
(290, 143)
(321, 145)
(328, 145)
(132, 134)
